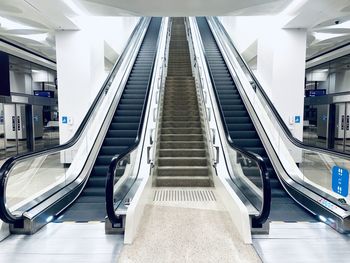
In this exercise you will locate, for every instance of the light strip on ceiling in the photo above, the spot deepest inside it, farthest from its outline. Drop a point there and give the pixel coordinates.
(294, 6)
(325, 36)
(76, 9)
(35, 37)
(12, 25)
(344, 25)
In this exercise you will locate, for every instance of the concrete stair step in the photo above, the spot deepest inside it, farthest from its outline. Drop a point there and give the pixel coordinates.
(181, 130)
(180, 91)
(192, 171)
(183, 181)
(181, 118)
(178, 95)
(182, 161)
(181, 137)
(169, 78)
(181, 113)
(181, 107)
(181, 124)
(182, 153)
(172, 80)
(182, 145)
(180, 103)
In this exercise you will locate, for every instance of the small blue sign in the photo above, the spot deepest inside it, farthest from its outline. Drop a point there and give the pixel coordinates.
(297, 119)
(64, 119)
(324, 117)
(340, 181)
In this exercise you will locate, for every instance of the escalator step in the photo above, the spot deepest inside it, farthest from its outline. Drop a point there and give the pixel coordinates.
(247, 142)
(243, 135)
(118, 141)
(112, 150)
(121, 133)
(104, 159)
(124, 126)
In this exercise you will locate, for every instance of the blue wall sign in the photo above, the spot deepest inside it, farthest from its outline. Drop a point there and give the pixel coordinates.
(64, 119)
(297, 119)
(340, 181)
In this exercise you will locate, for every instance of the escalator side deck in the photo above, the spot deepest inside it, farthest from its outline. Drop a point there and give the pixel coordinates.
(121, 134)
(241, 128)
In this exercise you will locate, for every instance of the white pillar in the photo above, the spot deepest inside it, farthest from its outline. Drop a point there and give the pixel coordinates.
(281, 64)
(80, 74)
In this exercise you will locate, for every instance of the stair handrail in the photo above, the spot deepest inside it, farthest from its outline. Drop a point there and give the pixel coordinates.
(263, 215)
(109, 187)
(5, 214)
(276, 114)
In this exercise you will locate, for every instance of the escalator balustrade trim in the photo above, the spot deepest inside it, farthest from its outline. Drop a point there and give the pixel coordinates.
(122, 132)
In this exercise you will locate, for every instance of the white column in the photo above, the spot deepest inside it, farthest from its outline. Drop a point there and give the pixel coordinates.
(80, 72)
(281, 64)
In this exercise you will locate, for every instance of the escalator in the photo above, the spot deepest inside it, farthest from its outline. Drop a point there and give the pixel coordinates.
(241, 128)
(121, 134)
(76, 192)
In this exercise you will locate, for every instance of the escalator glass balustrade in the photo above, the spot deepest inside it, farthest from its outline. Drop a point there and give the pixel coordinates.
(288, 181)
(40, 187)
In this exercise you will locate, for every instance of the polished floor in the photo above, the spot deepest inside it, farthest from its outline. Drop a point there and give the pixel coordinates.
(63, 242)
(302, 242)
(187, 227)
(178, 240)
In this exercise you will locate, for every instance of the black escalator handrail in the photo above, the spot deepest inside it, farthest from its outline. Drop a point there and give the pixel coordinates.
(266, 201)
(278, 117)
(116, 159)
(5, 215)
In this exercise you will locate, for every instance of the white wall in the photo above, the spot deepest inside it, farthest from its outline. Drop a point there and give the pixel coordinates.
(100, 28)
(80, 65)
(21, 82)
(73, 72)
(246, 30)
(339, 82)
(281, 64)
(335, 82)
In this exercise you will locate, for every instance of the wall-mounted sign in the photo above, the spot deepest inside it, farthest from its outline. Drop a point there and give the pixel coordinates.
(44, 93)
(340, 181)
(64, 119)
(297, 119)
(315, 93)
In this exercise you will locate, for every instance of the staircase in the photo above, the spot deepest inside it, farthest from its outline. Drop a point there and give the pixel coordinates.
(182, 160)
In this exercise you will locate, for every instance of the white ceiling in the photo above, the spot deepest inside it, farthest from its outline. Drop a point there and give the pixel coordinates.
(40, 18)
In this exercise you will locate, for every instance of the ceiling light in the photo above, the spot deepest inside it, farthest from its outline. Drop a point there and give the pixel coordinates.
(293, 7)
(344, 25)
(35, 37)
(12, 25)
(76, 9)
(325, 36)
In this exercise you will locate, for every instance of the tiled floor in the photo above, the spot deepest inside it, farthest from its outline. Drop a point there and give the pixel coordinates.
(187, 231)
(302, 242)
(65, 242)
